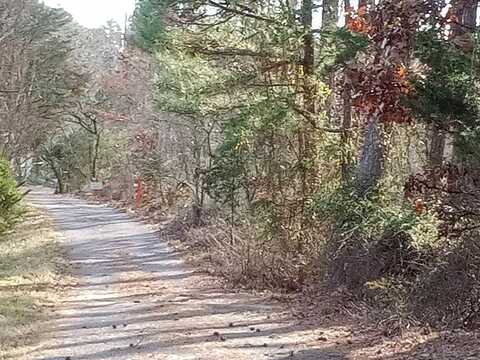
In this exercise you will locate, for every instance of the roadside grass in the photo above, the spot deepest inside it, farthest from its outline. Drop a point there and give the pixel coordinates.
(33, 272)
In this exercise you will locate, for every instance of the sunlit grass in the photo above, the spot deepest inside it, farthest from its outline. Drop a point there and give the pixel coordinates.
(32, 273)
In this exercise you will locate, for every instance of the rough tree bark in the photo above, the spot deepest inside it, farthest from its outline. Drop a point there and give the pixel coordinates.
(437, 146)
(371, 164)
(345, 135)
(469, 15)
(329, 13)
(57, 173)
(306, 146)
(96, 150)
(347, 117)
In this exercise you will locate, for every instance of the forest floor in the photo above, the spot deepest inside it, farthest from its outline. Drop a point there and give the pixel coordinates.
(135, 298)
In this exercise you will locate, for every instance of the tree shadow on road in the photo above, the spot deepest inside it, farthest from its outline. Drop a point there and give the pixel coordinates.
(136, 299)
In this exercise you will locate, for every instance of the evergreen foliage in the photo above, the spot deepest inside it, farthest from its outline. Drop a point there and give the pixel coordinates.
(9, 197)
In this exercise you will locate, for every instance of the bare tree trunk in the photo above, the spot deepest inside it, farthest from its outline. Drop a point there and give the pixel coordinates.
(345, 135)
(308, 55)
(469, 18)
(329, 23)
(437, 146)
(60, 184)
(329, 13)
(371, 164)
(347, 118)
(96, 150)
(466, 13)
(306, 148)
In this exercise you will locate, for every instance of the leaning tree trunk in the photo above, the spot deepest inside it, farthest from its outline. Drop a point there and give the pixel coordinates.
(58, 175)
(371, 164)
(96, 150)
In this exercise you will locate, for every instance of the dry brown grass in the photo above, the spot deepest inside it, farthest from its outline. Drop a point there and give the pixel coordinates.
(241, 257)
(32, 273)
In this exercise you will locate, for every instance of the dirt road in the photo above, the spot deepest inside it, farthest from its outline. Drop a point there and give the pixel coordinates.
(136, 299)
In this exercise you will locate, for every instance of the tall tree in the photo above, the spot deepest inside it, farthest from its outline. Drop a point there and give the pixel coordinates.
(34, 75)
(264, 100)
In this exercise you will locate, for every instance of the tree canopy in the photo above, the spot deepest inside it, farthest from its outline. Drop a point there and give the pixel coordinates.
(307, 142)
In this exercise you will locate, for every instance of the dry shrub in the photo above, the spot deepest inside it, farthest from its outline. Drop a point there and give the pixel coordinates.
(436, 284)
(358, 262)
(448, 290)
(239, 255)
(452, 192)
(371, 238)
(417, 264)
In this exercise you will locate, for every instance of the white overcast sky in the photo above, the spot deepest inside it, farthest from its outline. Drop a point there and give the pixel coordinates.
(95, 13)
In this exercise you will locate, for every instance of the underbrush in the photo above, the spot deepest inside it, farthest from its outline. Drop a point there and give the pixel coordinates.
(238, 254)
(447, 291)
(32, 269)
(397, 255)
(390, 253)
(373, 238)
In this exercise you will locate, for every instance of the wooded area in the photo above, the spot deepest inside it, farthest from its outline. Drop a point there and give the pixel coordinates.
(298, 143)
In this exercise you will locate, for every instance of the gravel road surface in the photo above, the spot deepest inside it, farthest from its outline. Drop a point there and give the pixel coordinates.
(136, 299)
